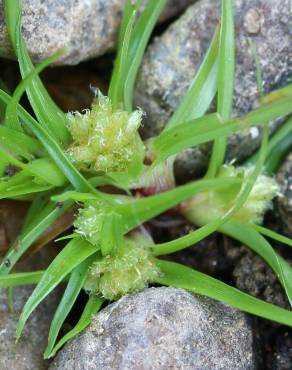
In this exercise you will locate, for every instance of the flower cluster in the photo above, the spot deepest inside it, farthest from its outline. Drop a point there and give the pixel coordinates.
(130, 268)
(210, 205)
(105, 139)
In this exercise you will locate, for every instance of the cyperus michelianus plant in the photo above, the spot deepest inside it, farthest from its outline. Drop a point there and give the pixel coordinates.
(62, 159)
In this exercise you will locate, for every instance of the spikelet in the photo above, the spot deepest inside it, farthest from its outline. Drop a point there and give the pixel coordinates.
(130, 268)
(210, 205)
(104, 139)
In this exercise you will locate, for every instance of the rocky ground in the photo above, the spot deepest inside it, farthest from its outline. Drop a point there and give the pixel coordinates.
(172, 328)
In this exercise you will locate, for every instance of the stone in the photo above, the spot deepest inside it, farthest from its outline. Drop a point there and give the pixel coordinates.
(27, 354)
(83, 28)
(162, 328)
(173, 58)
(284, 200)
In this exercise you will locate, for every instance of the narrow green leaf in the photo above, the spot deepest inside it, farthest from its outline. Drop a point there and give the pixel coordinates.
(75, 284)
(251, 238)
(19, 143)
(139, 40)
(2, 105)
(138, 211)
(278, 147)
(92, 307)
(45, 109)
(272, 234)
(129, 8)
(75, 252)
(11, 117)
(202, 90)
(37, 207)
(20, 278)
(33, 229)
(47, 171)
(53, 149)
(25, 188)
(81, 197)
(111, 232)
(187, 240)
(225, 82)
(207, 128)
(179, 276)
(250, 181)
(226, 61)
(115, 92)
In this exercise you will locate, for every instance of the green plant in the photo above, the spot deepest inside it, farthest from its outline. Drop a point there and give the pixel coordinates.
(110, 253)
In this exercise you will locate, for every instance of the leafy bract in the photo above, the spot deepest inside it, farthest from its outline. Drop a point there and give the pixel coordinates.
(20, 278)
(74, 286)
(75, 252)
(202, 89)
(53, 148)
(208, 128)
(92, 307)
(250, 237)
(273, 235)
(179, 276)
(42, 214)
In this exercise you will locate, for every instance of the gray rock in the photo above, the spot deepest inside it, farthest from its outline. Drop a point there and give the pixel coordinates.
(173, 58)
(162, 328)
(84, 28)
(284, 200)
(27, 354)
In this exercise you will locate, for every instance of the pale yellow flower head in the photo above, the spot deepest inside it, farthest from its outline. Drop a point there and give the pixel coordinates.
(104, 139)
(210, 205)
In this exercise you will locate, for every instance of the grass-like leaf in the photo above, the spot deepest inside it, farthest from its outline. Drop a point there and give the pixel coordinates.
(8, 190)
(20, 278)
(2, 105)
(75, 252)
(225, 82)
(36, 224)
(208, 128)
(187, 240)
(74, 286)
(53, 149)
(278, 147)
(92, 307)
(19, 143)
(139, 40)
(45, 109)
(273, 235)
(251, 238)
(202, 90)
(133, 39)
(179, 276)
(138, 211)
(11, 117)
(116, 88)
